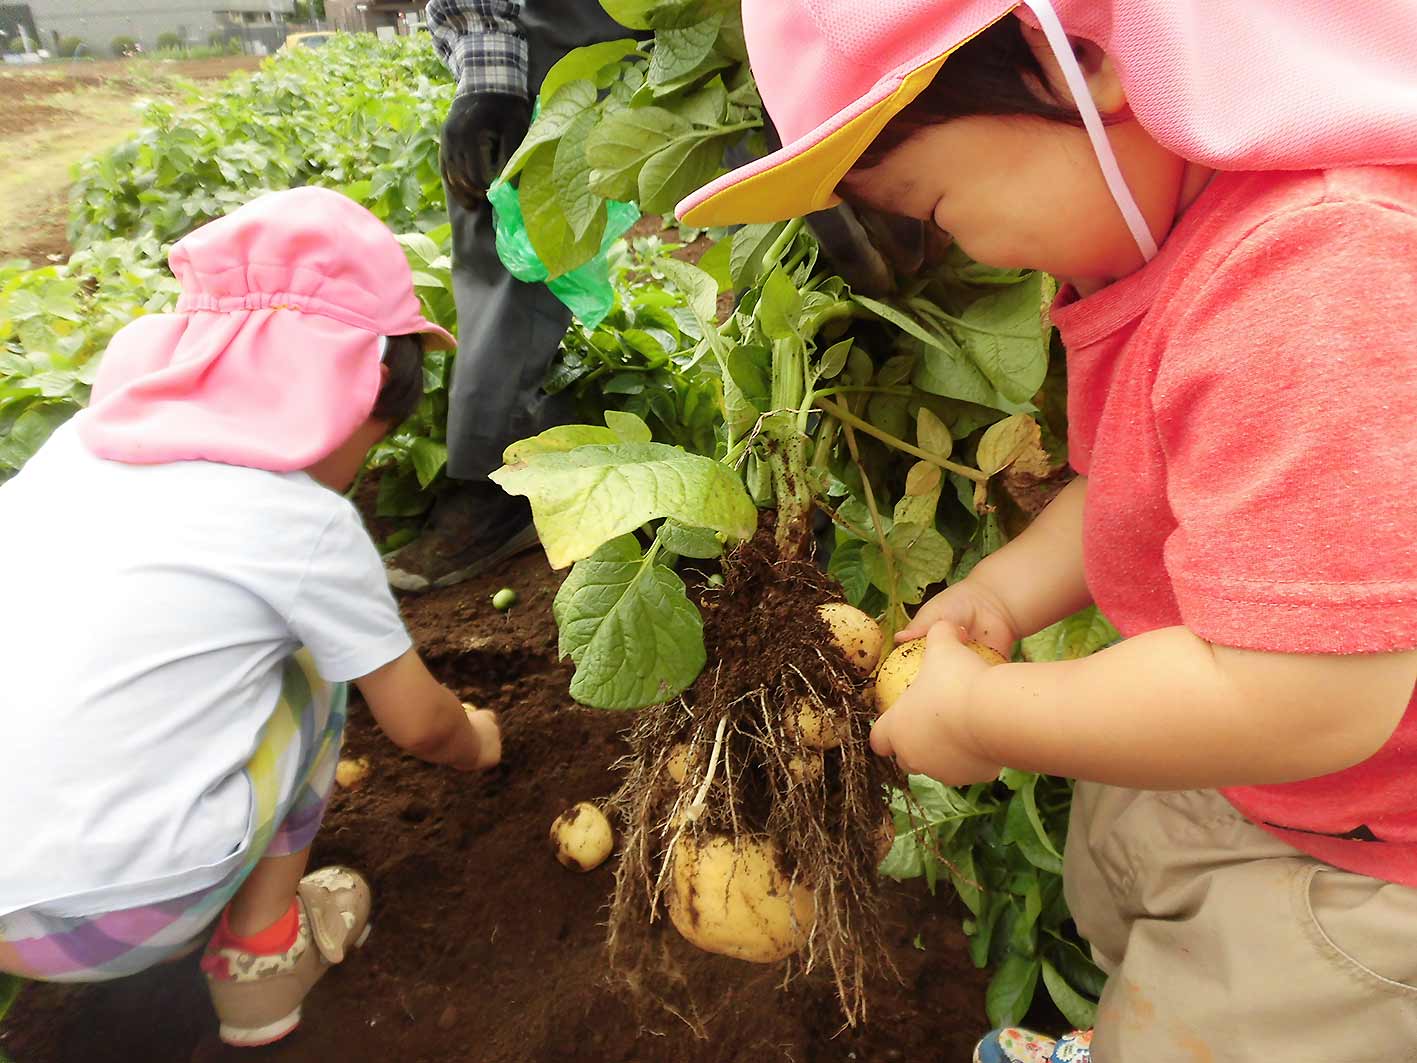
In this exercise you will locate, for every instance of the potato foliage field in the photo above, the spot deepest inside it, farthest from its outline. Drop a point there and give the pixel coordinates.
(927, 424)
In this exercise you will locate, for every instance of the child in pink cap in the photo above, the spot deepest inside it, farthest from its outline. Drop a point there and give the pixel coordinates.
(197, 595)
(1229, 191)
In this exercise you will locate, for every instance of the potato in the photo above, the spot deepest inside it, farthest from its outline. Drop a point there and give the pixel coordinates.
(899, 670)
(728, 896)
(856, 634)
(815, 728)
(807, 768)
(678, 761)
(582, 837)
(350, 773)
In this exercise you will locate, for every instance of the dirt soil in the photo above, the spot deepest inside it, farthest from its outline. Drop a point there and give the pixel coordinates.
(484, 948)
(54, 115)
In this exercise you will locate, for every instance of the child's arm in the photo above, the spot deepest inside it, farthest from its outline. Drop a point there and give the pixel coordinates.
(425, 718)
(1034, 581)
(1165, 710)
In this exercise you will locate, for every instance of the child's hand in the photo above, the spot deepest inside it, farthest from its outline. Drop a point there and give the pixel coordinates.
(971, 606)
(924, 730)
(489, 737)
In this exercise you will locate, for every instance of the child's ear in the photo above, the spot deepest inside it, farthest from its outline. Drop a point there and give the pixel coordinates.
(383, 374)
(1103, 80)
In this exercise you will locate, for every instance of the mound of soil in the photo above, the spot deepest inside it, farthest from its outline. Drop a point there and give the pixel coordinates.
(484, 948)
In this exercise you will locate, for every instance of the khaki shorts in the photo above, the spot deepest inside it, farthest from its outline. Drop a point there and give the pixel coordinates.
(1224, 945)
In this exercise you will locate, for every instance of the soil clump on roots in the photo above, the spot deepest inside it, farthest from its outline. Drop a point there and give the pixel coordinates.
(740, 756)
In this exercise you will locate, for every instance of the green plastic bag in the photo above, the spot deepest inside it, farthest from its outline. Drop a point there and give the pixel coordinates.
(586, 290)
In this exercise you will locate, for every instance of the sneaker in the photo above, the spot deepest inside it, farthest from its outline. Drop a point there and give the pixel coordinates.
(258, 998)
(473, 527)
(1011, 1045)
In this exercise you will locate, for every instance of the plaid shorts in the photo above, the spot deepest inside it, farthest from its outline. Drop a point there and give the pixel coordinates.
(307, 727)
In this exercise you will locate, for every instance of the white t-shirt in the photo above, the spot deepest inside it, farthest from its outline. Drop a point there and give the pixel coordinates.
(148, 611)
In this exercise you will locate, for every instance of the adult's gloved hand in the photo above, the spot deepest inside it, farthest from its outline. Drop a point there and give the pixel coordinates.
(480, 134)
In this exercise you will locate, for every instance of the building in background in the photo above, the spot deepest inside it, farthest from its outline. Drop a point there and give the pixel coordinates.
(370, 16)
(261, 24)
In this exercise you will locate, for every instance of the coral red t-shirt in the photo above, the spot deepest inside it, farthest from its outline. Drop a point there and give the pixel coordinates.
(1245, 410)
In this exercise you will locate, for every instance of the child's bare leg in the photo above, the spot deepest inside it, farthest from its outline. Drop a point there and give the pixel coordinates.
(267, 893)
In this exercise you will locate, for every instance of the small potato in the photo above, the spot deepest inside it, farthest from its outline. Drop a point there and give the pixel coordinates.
(582, 837)
(678, 761)
(899, 670)
(728, 896)
(350, 773)
(805, 768)
(815, 728)
(856, 634)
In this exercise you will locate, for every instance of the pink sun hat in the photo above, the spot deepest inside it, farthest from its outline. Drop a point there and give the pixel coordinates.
(1231, 84)
(272, 358)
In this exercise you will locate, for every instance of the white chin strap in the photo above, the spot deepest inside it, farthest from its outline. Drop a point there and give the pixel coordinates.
(1096, 131)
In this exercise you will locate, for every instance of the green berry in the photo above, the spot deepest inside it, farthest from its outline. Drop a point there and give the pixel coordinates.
(504, 599)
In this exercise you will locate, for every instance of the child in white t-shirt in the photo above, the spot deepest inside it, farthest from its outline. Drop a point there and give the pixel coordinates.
(192, 594)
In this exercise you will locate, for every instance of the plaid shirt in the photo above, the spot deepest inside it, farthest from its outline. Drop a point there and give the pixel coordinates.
(482, 43)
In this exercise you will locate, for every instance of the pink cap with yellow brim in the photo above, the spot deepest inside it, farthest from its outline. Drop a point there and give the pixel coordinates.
(832, 73)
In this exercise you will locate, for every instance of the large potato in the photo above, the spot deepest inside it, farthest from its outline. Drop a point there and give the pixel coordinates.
(899, 670)
(728, 896)
(856, 634)
(582, 837)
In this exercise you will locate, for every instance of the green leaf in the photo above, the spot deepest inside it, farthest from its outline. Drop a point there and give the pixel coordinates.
(633, 14)
(547, 226)
(583, 498)
(698, 287)
(1009, 339)
(750, 244)
(1011, 989)
(715, 262)
(622, 142)
(922, 558)
(681, 539)
(429, 458)
(556, 116)
(705, 107)
(583, 64)
(944, 370)
(932, 435)
(680, 51)
(834, 360)
(570, 172)
(400, 495)
(670, 175)
(779, 307)
(848, 567)
(923, 485)
(628, 625)
(627, 427)
(751, 369)
(1005, 441)
(1079, 635)
(560, 438)
(1076, 1008)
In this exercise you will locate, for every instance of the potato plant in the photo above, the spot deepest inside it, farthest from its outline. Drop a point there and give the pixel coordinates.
(914, 424)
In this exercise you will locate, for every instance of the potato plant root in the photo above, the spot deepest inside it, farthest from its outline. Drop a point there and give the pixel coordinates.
(485, 949)
(768, 650)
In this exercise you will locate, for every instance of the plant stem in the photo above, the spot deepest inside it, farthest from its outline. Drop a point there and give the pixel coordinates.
(848, 418)
(886, 555)
(783, 241)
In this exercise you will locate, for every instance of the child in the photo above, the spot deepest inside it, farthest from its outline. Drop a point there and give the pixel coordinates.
(189, 595)
(1243, 852)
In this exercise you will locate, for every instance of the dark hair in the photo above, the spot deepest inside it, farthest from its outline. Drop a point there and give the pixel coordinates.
(996, 73)
(399, 396)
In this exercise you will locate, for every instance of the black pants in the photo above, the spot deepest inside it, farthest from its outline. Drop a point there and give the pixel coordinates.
(509, 332)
